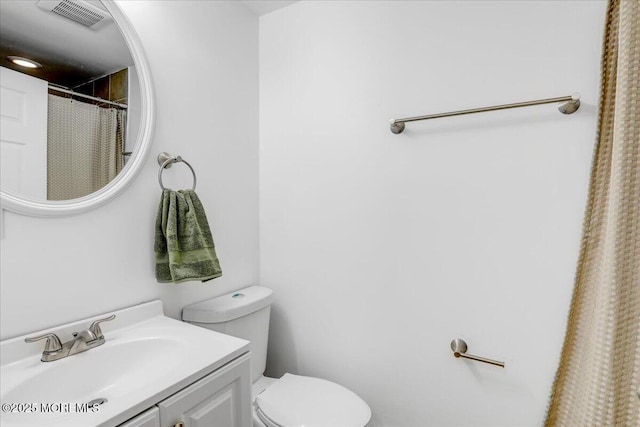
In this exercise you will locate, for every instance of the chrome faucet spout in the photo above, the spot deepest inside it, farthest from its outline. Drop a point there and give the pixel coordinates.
(84, 341)
(85, 336)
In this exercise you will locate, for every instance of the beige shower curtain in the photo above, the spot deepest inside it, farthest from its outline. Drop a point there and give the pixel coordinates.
(599, 375)
(84, 149)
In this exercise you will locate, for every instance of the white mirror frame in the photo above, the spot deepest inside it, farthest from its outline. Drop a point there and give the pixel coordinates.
(15, 203)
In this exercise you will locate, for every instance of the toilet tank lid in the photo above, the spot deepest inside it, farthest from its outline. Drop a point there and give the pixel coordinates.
(228, 307)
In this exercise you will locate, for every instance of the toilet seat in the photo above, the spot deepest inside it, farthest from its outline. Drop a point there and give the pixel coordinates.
(299, 401)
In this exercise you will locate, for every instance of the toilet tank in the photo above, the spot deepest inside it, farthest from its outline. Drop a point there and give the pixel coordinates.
(243, 314)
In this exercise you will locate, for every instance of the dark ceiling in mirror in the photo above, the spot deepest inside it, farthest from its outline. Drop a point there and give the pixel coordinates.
(65, 48)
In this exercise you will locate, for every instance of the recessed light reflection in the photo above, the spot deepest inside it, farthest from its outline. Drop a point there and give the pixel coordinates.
(24, 62)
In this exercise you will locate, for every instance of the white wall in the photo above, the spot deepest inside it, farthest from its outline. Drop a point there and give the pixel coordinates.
(203, 58)
(382, 248)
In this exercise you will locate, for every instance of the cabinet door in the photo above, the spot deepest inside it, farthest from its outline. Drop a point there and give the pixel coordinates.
(221, 399)
(150, 418)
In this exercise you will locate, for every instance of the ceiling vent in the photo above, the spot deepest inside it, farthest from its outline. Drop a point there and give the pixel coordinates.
(78, 11)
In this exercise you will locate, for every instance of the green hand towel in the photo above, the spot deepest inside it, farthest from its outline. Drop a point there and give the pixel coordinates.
(183, 244)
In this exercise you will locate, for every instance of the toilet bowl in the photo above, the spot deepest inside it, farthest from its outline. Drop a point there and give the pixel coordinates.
(296, 400)
(292, 400)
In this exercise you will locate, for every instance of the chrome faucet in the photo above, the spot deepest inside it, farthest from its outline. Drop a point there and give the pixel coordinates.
(82, 341)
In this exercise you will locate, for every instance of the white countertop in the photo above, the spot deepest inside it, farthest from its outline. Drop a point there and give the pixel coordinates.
(146, 358)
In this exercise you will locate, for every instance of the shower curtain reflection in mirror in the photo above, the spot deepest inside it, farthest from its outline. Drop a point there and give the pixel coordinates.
(85, 147)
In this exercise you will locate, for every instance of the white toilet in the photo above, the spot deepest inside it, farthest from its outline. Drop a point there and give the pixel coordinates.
(293, 400)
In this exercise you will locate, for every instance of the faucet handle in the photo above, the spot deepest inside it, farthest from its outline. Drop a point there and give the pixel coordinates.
(53, 344)
(95, 326)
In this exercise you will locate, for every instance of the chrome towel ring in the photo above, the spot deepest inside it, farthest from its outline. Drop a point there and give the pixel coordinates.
(166, 160)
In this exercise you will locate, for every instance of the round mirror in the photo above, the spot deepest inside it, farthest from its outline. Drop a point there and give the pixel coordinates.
(77, 116)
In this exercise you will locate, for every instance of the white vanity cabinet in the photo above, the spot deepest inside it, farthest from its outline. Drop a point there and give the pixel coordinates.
(219, 399)
(222, 398)
(150, 418)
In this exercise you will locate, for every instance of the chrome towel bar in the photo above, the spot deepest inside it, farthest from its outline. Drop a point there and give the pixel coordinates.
(166, 160)
(571, 105)
(459, 348)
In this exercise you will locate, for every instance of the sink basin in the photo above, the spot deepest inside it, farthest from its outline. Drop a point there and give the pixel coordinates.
(146, 358)
(104, 369)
